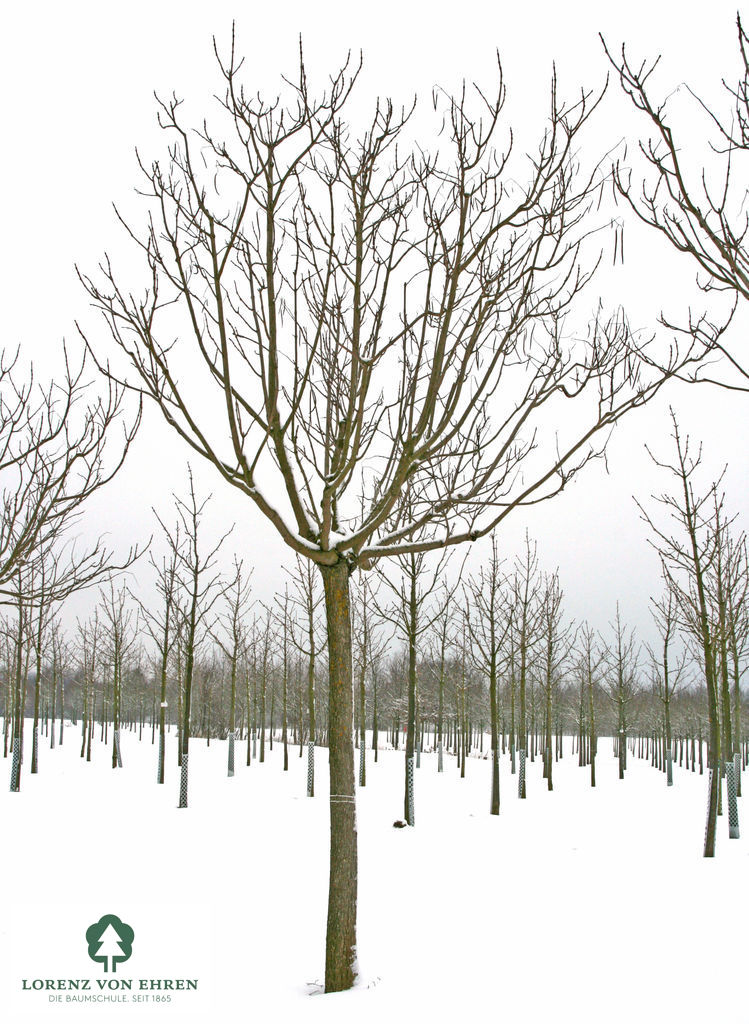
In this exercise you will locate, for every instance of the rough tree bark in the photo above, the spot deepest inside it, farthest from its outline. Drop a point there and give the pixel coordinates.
(340, 945)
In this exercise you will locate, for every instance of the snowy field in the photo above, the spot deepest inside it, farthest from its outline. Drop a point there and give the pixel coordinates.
(578, 905)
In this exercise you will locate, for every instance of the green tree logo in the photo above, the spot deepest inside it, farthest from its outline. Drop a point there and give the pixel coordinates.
(110, 941)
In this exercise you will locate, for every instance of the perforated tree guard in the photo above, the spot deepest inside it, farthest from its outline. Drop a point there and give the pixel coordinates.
(183, 782)
(733, 808)
(410, 790)
(310, 768)
(15, 770)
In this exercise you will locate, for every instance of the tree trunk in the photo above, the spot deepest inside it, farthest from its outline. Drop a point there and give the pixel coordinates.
(340, 943)
(549, 759)
(19, 707)
(232, 731)
(161, 767)
(363, 716)
(495, 736)
(311, 714)
(408, 796)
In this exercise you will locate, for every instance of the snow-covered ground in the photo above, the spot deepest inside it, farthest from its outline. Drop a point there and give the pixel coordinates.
(577, 905)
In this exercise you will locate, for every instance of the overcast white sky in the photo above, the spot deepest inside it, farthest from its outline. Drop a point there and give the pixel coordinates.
(77, 87)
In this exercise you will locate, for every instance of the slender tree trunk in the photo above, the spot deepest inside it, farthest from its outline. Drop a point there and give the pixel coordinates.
(187, 700)
(340, 944)
(284, 710)
(262, 714)
(513, 728)
(232, 716)
(19, 704)
(548, 755)
(522, 790)
(311, 712)
(162, 721)
(53, 712)
(37, 694)
(495, 735)
(408, 798)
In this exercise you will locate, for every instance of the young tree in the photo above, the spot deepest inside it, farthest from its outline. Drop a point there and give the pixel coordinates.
(237, 597)
(442, 631)
(282, 616)
(488, 623)
(307, 598)
(687, 555)
(667, 676)
(557, 643)
(40, 615)
(367, 649)
(587, 667)
(412, 616)
(88, 650)
(161, 628)
(720, 580)
(265, 638)
(120, 634)
(20, 675)
(737, 612)
(369, 315)
(620, 680)
(526, 617)
(198, 583)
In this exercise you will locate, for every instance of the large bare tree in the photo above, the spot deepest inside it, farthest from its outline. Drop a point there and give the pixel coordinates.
(368, 338)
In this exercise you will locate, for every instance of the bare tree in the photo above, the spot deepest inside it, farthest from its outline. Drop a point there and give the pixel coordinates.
(161, 628)
(237, 597)
(88, 651)
(718, 581)
(668, 677)
(367, 649)
(557, 641)
(737, 624)
(587, 668)
(40, 618)
(120, 634)
(264, 639)
(20, 675)
(198, 582)
(282, 616)
(442, 632)
(412, 613)
(620, 681)
(688, 554)
(367, 315)
(525, 621)
(308, 598)
(488, 623)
